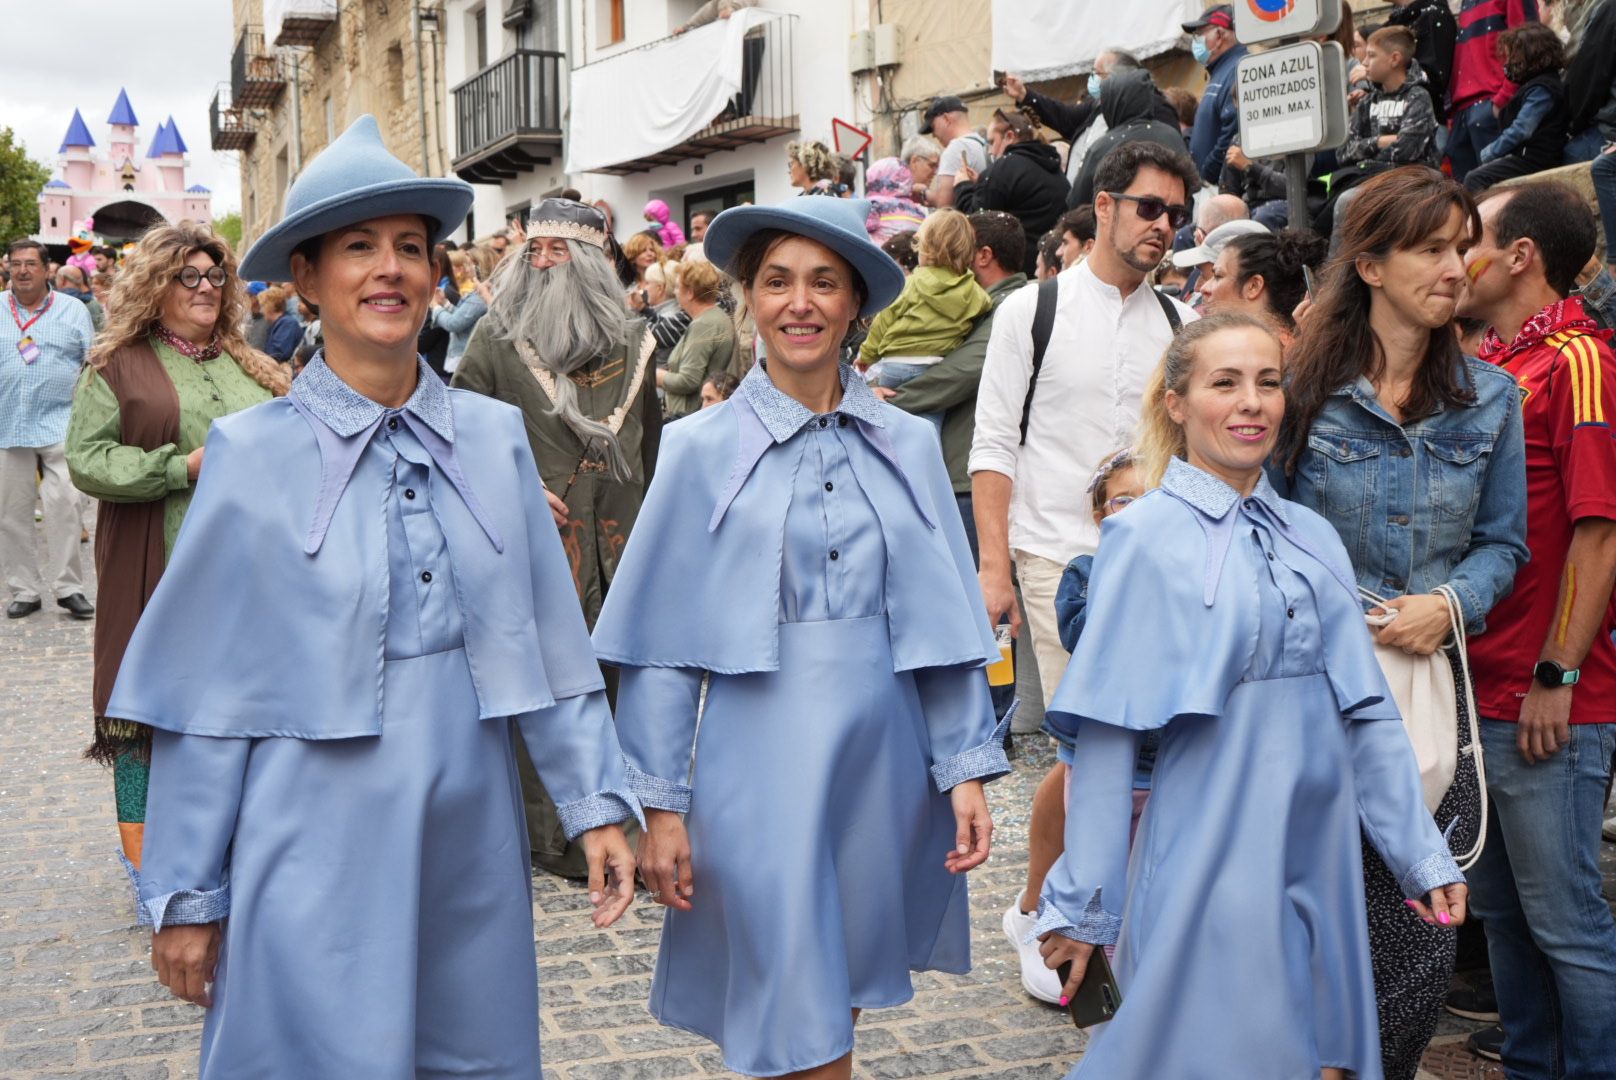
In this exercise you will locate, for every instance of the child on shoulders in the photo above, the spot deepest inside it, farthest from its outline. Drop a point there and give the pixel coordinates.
(936, 310)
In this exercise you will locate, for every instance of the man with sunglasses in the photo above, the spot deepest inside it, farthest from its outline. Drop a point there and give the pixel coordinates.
(44, 338)
(1045, 423)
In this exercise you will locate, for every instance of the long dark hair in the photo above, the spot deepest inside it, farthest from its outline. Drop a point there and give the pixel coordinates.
(1394, 211)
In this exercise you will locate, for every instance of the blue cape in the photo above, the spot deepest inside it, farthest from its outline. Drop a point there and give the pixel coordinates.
(699, 582)
(1157, 644)
(251, 634)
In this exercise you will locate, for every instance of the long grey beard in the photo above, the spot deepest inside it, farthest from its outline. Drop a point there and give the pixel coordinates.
(567, 315)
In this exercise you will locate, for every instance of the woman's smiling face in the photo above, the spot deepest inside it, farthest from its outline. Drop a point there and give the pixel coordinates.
(803, 299)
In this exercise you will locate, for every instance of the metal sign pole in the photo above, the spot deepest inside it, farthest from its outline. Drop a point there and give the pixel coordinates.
(1296, 190)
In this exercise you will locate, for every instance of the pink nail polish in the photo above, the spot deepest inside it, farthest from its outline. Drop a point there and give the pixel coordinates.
(1410, 903)
(1443, 918)
(1064, 1000)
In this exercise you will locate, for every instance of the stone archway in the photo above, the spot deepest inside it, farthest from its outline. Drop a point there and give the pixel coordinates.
(125, 220)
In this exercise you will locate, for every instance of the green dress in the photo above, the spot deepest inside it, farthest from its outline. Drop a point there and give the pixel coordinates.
(105, 468)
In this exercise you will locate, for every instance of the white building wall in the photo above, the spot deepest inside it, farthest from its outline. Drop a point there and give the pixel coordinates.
(823, 89)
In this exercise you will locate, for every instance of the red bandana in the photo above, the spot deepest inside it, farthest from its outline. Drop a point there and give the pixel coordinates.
(1567, 314)
(185, 348)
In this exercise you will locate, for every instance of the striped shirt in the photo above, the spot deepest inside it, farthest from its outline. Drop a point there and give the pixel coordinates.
(36, 398)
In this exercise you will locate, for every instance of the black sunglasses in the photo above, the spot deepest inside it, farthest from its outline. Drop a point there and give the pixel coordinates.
(191, 277)
(1149, 208)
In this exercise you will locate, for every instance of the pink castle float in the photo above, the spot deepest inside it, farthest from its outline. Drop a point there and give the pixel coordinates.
(123, 192)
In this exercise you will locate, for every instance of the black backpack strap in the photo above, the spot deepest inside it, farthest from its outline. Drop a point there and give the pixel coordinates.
(1043, 323)
(1170, 310)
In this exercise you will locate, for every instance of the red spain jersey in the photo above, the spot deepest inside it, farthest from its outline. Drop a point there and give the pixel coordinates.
(1567, 376)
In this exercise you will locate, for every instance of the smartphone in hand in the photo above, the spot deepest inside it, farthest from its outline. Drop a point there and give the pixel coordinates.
(1098, 996)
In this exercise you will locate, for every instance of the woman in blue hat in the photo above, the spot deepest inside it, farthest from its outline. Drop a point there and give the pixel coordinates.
(798, 555)
(334, 832)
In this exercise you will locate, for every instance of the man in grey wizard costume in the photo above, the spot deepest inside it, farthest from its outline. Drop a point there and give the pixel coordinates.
(559, 343)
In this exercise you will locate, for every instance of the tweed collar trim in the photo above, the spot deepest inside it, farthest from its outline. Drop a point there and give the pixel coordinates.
(348, 412)
(783, 415)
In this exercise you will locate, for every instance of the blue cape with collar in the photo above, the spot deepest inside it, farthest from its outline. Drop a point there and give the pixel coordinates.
(699, 581)
(1167, 633)
(271, 616)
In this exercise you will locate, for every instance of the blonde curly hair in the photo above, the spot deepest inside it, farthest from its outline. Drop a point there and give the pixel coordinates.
(136, 301)
(815, 158)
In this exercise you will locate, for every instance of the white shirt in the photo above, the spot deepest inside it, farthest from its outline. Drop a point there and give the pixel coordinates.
(1102, 349)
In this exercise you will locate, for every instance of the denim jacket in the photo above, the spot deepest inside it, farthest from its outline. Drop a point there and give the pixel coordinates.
(1438, 501)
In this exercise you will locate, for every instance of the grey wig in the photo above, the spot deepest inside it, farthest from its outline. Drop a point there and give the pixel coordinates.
(569, 314)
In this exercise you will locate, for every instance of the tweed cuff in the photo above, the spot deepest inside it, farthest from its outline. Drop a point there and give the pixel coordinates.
(1431, 872)
(656, 793)
(985, 761)
(1097, 926)
(593, 811)
(182, 907)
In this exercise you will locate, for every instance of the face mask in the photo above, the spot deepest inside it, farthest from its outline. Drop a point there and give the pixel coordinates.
(1202, 51)
(1094, 86)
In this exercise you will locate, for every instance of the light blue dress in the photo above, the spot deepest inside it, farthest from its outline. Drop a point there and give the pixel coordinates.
(374, 884)
(818, 812)
(1232, 625)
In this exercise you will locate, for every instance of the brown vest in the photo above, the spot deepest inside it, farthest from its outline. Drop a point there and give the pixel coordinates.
(129, 550)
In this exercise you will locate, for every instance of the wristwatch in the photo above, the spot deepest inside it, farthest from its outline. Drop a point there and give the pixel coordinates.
(1552, 675)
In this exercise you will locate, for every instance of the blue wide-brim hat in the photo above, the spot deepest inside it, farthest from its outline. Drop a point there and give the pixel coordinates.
(354, 179)
(836, 223)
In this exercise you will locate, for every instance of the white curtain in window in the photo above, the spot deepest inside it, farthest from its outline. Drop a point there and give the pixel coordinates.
(646, 100)
(1046, 39)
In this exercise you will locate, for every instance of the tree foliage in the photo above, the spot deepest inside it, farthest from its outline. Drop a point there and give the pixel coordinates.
(21, 178)
(229, 227)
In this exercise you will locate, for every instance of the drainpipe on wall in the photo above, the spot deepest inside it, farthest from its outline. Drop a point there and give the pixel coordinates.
(420, 83)
(297, 116)
(566, 126)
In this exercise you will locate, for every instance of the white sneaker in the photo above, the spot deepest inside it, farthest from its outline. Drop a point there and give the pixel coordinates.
(1609, 831)
(1039, 981)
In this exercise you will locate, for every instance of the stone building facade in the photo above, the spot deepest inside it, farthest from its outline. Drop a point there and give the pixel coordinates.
(303, 70)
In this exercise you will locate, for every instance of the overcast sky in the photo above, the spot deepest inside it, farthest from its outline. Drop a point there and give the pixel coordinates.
(169, 54)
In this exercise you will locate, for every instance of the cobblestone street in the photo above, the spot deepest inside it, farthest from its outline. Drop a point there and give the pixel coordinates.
(78, 998)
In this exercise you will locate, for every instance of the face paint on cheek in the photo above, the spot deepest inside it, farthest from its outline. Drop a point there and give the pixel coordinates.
(1478, 268)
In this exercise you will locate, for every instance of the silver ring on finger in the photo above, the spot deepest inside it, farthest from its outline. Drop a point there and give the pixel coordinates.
(655, 894)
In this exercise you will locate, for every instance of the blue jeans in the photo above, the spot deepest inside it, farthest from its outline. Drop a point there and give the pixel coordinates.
(1471, 131)
(1585, 147)
(894, 373)
(1603, 171)
(1550, 935)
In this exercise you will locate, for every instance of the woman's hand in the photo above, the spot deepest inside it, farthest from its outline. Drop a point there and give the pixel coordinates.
(486, 291)
(193, 464)
(1058, 950)
(1448, 906)
(1301, 311)
(661, 377)
(1421, 625)
(1237, 158)
(184, 958)
(1015, 88)
(665, 859)
(611, 873)
(558, 509)
(973, 827)
(966, 174)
